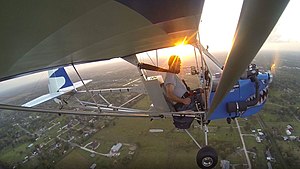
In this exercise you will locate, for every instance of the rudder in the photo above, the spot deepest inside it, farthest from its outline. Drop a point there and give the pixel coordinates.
(58, 79)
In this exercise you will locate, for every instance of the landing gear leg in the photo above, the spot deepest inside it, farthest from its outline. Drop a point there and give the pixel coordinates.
(205, 134)
(207, 156)
(195, 141)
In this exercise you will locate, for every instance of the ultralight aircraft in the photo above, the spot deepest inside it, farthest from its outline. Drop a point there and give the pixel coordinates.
(51, 34)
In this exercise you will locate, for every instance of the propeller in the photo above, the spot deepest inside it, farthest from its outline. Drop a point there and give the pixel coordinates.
(257, 19)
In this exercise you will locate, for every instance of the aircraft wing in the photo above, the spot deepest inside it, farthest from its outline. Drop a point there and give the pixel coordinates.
(43, 99)
(52, 33)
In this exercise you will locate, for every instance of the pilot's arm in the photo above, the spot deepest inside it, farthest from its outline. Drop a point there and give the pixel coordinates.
(173, 97)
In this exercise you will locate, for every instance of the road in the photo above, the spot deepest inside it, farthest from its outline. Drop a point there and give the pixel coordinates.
(74, 144)
(26, 131)
(131, 82)
(244, 146)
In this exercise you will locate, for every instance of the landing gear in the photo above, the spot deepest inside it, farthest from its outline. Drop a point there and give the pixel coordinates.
(207, 157)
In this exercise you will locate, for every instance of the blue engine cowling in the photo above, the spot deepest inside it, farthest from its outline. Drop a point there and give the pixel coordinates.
(246, 98)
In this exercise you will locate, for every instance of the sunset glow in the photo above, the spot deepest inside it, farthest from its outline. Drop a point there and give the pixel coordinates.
(181, 42)
(184, 51)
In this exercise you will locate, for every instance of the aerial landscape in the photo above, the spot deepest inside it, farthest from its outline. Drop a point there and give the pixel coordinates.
(36, 140)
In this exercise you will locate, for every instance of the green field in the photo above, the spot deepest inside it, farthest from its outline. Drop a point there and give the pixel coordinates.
(173, 148)
(170, 149)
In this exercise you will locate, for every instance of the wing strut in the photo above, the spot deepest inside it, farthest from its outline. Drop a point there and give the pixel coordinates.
(141, 113)
(86, 88)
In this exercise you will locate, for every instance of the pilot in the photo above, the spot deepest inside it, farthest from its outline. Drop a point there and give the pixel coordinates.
(177, 91)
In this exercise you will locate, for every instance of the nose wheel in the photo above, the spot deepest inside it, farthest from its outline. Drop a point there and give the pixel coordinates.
(207, 157)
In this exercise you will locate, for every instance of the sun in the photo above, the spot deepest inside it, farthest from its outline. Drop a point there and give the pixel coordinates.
(186, 53)
(181, 48)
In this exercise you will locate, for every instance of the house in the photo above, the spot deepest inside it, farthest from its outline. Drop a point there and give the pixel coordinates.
(225, 164)
(95, 145)
(289, 129)
(285, 138)
(116, 148)
(288, 132)
(269, 156)
(270, 159)
(261, 133)
(93, 166)
(292, 138)
(258, 139)
(156, 130)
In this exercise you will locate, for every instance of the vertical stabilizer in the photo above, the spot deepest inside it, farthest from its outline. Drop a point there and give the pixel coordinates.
(58, 79)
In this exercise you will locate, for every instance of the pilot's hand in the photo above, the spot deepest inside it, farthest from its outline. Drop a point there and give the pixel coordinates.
(186, 101)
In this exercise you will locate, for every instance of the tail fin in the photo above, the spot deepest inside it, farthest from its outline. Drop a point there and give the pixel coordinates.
(58, 79)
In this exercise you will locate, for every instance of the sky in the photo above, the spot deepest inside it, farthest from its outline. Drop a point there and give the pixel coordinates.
(218, 24)
(29, 83)
(219, 20)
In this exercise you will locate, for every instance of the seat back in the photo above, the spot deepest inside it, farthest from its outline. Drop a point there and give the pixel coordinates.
(156, 92)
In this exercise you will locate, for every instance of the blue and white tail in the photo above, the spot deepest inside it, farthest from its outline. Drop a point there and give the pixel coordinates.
(59, 84)
(58, 79)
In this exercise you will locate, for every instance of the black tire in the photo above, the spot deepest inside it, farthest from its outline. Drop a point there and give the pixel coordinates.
(207, 158)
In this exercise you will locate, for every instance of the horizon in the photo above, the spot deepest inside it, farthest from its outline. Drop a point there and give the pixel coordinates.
(39, 77)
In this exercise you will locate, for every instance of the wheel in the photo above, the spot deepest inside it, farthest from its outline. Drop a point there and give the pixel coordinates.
(207, 157)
